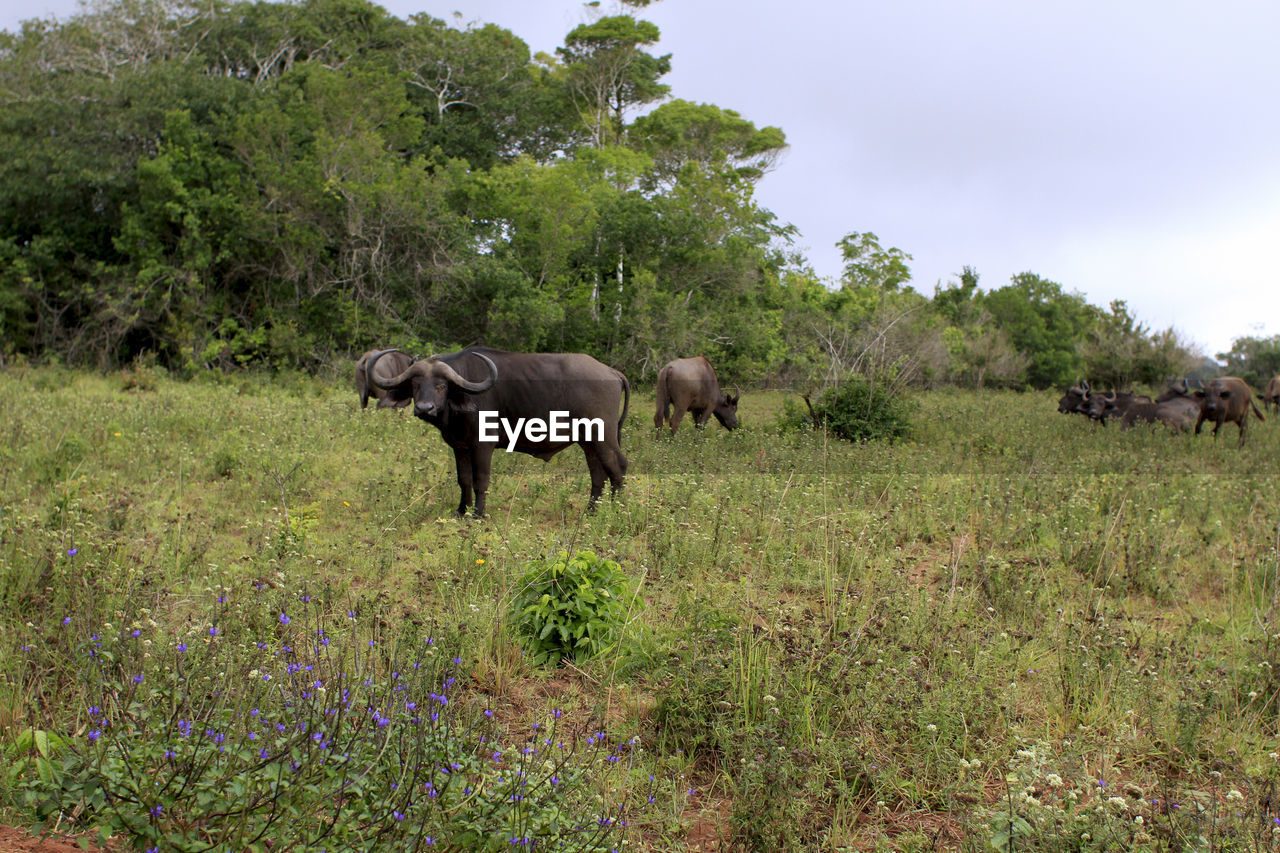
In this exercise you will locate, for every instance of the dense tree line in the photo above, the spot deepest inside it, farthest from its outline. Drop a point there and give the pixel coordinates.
(237, 183)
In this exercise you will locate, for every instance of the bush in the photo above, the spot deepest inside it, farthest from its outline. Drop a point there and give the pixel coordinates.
(855, 410)
(571, 607)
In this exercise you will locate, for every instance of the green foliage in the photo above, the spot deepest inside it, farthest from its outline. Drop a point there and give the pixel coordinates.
(868, 265)
(1255, 360)
(857, 409)
(285, 185)
(679, 133)
(332, 731)
(1046, 324)
(571, 608)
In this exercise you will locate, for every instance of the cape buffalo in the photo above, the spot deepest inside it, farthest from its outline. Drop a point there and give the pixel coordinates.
(1271, 398)
(480, 398)
(1076, 400)
(1113, 405)
(690, 385)
(391, 363)
(1178, 413)
(1226, 399)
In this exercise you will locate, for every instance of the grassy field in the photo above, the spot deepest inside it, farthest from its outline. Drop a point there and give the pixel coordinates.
(1012, 629)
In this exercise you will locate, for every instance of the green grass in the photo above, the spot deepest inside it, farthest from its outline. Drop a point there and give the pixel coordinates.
(842, 646)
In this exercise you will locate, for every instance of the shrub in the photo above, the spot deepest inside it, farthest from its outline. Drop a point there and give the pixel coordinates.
(855, 410)
(571, 607)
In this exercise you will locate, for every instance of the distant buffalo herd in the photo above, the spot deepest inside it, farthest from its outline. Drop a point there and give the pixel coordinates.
(532, 395)
(1179, 407)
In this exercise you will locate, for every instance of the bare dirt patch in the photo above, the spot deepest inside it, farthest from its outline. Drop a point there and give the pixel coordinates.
(15, 840)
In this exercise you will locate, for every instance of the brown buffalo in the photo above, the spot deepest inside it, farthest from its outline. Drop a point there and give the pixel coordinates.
(1178, 413)
(1271, 397)
(481, 398)
(390, 364)
(1113, 405)
(1075, 400)
(690, 385)
(1226, 400)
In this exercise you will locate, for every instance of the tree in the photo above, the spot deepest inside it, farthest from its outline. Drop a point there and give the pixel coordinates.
(609, 73)
(680, 133)
(868, 265)
(1255, 360)
(1045, 324)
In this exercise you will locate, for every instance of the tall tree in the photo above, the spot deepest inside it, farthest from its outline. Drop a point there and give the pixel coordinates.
(610, 73)
(868, 265)
(681, 133)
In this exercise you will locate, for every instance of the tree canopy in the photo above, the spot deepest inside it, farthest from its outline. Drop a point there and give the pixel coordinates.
(234, 183)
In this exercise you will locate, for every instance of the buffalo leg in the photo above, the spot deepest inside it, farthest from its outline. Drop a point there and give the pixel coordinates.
(481, 465)
(661, 416)
(700, 418)
(462, 460)
(677, 415)
(1199, 421)
(596, 466)
(615, 465)
(1240, 424)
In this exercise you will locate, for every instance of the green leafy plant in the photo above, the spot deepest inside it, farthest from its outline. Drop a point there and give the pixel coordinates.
(310, 731)
(855, 410)
(571, 607)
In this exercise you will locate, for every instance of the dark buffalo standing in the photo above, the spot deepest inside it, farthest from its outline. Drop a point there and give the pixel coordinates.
(1113, 405)
(690, 385)
(1226, 400)
(1076, 400)
(391, 363)
(453, 391)
(1271, 398)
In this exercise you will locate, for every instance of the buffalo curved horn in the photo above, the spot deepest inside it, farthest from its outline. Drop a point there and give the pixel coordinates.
(466, 384)
(1085, 385)
(369, 375)
(405, 376)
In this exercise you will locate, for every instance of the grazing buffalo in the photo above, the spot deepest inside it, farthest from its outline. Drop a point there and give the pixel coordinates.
(1076, 400)
(390, 363)
(535, 403)
(690, 385)
(1113, 405)
(1226, 399)
(1178, 413)
(1271, 398)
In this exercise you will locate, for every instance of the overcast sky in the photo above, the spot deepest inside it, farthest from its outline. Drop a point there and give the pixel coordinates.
(1127, 150)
